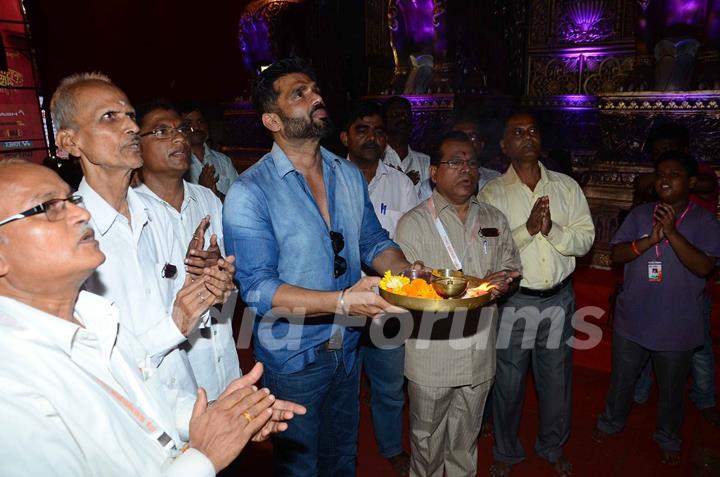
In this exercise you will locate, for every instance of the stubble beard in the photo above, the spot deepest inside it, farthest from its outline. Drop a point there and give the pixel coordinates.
(306, 128)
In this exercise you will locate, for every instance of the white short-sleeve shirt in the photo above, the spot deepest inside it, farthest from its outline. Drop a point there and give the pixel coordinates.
(212, 352)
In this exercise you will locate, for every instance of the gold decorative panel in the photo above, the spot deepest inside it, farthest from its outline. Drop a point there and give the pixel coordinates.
(626, 119)
(577, 73)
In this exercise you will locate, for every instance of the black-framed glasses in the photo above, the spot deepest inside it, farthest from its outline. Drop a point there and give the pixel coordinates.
(166, 132)
(459, 163)
(54, 209)
(338, 243)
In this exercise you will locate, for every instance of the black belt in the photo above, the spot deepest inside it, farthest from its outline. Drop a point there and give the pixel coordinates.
(548, 292)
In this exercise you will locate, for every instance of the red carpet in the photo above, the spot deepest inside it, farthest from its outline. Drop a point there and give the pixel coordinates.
(631, 453)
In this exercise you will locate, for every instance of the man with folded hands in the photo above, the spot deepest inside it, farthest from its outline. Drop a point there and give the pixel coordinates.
(551, 225)
(96, 122)
(166, 158)
(73, 400)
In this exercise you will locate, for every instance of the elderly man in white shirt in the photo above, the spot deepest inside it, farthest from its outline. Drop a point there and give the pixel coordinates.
(95, 121)
(208, 167)
(392, 195)
(73, 400)
(397, 112)
(166, 153)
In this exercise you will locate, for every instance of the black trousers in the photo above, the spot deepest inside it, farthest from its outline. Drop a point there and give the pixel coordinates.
(671, 371)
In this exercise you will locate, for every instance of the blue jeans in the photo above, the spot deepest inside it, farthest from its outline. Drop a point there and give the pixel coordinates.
(385, 370)
(323, 442)
(702, 369)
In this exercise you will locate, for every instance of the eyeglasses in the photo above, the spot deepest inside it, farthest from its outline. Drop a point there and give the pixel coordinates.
(54, 209)
(338, 243)
(458, 163)
(168, 132)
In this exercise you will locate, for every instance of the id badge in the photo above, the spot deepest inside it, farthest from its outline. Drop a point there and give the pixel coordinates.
(654, 271)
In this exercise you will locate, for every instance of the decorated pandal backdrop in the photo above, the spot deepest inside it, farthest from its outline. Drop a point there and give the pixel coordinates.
(598, 74)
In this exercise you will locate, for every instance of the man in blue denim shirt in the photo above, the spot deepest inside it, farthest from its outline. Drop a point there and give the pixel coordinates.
(301, 225)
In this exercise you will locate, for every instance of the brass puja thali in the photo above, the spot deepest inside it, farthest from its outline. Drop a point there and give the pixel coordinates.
(418, 303)
(422, 294)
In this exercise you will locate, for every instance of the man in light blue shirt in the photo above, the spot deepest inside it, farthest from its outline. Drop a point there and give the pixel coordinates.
(301, 225)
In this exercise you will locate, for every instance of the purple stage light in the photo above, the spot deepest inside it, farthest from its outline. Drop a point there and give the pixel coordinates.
(689, 12)
(417, 16)
(586, 21)
(254, 40)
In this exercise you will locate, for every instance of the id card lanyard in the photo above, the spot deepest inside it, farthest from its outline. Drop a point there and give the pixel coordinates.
(446, 239)
(145, 423)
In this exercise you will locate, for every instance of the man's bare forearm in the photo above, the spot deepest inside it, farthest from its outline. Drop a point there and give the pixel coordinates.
(391, 259)
(305, 301)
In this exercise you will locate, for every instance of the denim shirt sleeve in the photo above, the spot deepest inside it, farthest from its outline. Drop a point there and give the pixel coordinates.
(373, 238)
(249, 236)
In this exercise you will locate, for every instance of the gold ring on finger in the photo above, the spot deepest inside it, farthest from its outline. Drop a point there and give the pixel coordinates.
(247, 416)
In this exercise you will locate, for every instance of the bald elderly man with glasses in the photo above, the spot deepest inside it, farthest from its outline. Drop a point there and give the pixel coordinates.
(73, 400)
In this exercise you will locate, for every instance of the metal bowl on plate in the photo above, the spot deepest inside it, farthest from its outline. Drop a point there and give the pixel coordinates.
(449, 283)
(412, 274)
(450, 287)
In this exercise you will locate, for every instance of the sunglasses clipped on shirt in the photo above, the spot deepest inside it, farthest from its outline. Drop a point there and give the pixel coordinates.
(338, 243)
